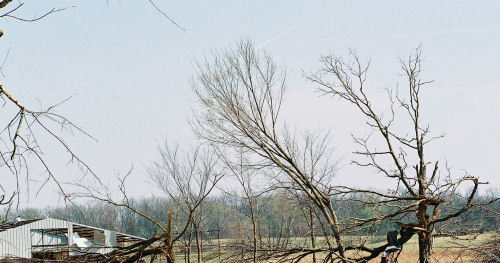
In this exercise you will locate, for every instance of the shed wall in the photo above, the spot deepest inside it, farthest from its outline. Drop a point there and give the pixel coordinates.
(16, 242)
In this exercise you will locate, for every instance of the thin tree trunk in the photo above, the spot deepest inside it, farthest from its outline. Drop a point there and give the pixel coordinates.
(198, 244)
(313, 238)
(269, 234)
(254, 228)
(189, 247)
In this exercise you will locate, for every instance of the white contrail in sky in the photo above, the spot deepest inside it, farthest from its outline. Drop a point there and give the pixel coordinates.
(409, 35)
(278, 36)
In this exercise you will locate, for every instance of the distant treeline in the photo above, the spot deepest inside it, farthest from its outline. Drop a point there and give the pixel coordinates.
(278, 216)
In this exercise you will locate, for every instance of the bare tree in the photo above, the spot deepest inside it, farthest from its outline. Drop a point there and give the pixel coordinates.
(187, 179)
(245, 175)
(23, 126)
(420, 188)
(21, 145)
(240, 94)
(317, 161)
(21, 148)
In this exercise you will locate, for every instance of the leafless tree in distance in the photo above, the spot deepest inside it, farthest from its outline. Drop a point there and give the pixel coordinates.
(245, 175)
(187, 178)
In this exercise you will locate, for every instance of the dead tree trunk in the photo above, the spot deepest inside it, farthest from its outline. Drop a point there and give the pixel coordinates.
(424, 241)
(424, 249)
(169, 240)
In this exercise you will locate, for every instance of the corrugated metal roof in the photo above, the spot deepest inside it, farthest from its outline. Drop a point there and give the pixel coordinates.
(9, 225)
(122, 237)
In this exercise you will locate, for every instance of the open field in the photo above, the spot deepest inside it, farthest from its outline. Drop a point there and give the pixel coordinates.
(445, 250)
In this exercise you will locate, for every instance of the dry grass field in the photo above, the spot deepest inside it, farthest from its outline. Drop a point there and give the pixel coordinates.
(446, 250)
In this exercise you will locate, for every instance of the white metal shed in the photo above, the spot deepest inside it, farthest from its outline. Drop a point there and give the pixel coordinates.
(25, 238)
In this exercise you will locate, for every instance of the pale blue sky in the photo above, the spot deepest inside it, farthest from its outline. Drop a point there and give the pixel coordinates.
(130, 70)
